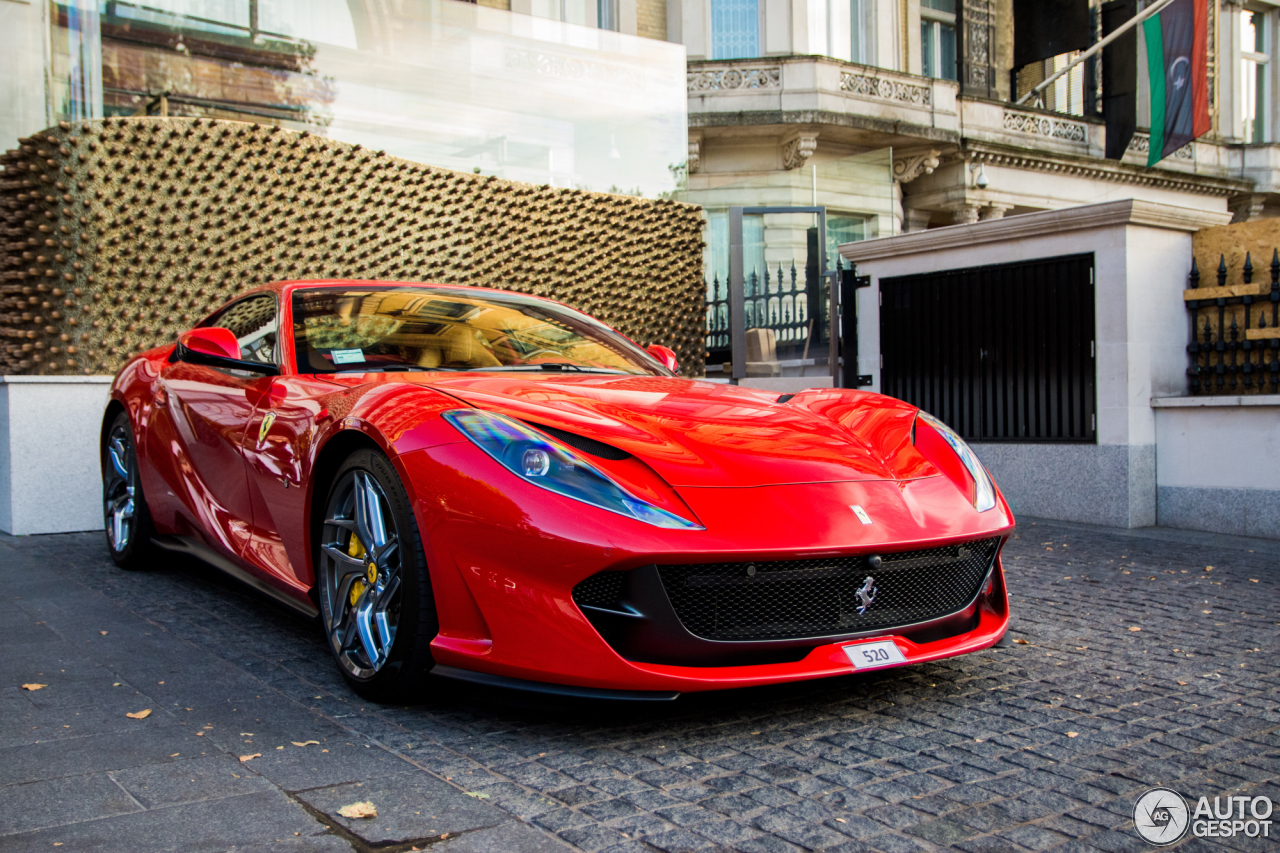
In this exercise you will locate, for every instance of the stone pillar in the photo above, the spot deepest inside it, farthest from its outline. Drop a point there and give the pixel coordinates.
(917, 220)
(995, 210)
(976, 49)
(965, 213)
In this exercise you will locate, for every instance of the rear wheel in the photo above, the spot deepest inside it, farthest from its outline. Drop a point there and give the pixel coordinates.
(124, 508)
(375, 593)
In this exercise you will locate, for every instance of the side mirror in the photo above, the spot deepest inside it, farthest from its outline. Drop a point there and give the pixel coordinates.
(217, 347)
(211, 341)
(666, 356)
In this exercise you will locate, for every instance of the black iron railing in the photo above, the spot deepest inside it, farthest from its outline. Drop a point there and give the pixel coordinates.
(1235, 332)
(776, 299)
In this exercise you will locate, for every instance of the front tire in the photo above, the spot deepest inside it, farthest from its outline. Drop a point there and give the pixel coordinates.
(124, 507)
(376, 602)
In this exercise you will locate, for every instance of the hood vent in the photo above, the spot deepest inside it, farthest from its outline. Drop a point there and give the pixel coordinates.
(581, 442)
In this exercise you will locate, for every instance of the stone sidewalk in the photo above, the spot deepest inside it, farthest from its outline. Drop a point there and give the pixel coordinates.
(1043, 745)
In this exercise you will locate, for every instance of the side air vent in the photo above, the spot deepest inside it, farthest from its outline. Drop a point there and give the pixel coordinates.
(581, 442)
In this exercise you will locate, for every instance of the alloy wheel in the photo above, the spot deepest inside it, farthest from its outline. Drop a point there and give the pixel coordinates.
(121, 484)
(360, 571)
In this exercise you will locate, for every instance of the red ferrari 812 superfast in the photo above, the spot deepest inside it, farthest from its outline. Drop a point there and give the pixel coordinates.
(489, 486)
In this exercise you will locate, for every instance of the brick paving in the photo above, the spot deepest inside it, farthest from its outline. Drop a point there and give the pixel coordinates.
(1044, 745)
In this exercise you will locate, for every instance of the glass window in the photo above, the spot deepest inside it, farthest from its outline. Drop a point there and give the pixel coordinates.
(938, 39)
(843, 228)
(735, 29)
(859, 50)
(421, 328)
(254, 323)
(1255, 60)
(607, 14)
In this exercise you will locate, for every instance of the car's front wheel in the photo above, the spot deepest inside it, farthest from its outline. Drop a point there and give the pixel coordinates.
(375, 593)
(124, 507)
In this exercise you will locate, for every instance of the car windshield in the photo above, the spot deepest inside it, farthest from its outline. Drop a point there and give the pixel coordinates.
(419, 328)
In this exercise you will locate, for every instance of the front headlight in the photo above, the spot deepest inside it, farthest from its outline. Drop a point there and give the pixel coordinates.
(984, 494)
(533, 458)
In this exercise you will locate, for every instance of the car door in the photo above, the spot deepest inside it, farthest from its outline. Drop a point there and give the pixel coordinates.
(278, 452)
(198, 426)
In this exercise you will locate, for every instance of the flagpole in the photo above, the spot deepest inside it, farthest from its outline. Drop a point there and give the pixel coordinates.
(1124, 28)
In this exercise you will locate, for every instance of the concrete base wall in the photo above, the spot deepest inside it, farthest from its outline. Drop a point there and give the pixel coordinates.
(1114, 484)
(1246, 512)
(1219, 463)
(49, 477)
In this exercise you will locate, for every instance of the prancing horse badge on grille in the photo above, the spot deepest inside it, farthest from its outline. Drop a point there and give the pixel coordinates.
(866, 595)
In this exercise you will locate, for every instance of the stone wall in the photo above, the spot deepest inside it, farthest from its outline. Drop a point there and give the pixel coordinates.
(117, 235)
(651, 19)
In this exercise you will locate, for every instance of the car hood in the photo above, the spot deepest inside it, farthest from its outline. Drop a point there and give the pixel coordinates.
(703, 434)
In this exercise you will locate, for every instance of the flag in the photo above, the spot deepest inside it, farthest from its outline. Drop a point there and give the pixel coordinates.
(1177, 64)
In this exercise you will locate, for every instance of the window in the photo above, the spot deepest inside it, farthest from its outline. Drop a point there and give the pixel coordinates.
(843, 228)
(735, 29)
(253, 321)
(1254, 62)
(859, 33)
(938, 39)
(607, 14)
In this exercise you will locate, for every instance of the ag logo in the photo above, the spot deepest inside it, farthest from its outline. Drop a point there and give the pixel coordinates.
(267, 420)
(1161, 816)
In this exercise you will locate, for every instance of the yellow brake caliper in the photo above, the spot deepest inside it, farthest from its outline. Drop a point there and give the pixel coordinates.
(356, 549)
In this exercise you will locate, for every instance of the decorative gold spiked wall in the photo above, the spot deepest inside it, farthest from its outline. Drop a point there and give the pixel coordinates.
(117, 235)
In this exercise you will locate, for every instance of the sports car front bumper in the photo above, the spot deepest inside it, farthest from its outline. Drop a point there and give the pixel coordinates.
(505, 561)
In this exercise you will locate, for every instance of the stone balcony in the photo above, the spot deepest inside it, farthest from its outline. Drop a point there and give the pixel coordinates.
(855, 104)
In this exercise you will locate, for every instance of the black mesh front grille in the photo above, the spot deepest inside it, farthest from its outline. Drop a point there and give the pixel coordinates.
(812, 598)
(602, 589)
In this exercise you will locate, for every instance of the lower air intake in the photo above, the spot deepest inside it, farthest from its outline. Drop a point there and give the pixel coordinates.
(813, 598)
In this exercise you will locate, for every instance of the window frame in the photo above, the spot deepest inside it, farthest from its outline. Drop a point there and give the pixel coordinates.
(1255, 72)
(935, 20)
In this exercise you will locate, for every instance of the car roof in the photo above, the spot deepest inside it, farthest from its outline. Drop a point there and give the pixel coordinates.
(284, 287)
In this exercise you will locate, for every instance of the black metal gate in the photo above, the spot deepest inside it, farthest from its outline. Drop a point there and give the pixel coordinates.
(1000, 353)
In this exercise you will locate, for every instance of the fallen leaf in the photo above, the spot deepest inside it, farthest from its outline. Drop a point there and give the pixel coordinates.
(304, 742)
(279, 747)
(1023, 642)
(242, 734)
(1208, 568)
(1134, 628)
(251, 757)
(1253, 580)
(103, 633)
(34, 686)
(359, 810)
(479, 795)
(175, 755)
(1183, 683)
(1206, 611)
(1073, 734)
(139, 715)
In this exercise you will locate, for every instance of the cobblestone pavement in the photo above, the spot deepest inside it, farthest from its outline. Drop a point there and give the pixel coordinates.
(1133, 665)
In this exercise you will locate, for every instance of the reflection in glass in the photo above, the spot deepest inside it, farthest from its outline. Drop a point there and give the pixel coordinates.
(451, 84)
(402, 328)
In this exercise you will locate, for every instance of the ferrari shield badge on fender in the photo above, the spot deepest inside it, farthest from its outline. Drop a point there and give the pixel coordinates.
(861, 514)
(267, 420)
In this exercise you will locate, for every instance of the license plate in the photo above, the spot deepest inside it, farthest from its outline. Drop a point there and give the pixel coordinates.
(873, 655)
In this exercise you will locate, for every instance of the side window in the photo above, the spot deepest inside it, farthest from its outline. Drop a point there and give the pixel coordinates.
(254, 322)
